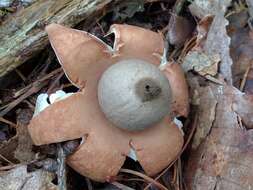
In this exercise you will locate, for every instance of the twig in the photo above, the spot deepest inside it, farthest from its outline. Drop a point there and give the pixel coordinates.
(174, 178)
(245, 77)
(5, 159)
(147, 178)
(179, 5)
(8, 122)
(61, 172)
(180, 176)
(54, 83)
(4, 168)
(89, 185)
(66, 85)
(34, 87)
(20, 74)
(187, 47)
(133, 179)
(121, 186)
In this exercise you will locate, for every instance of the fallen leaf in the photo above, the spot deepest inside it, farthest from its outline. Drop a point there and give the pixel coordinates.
(206, 115)
(218, 42)
(250, 6)
(248, 87)
(179, 30)
(19, 148)
(24, 151)
(19, 179)
(241, 51)
(212, 47)
(224, 158)
(202, 8)
(201, 63)
(243, 106)
(7, 150)
(202, 31)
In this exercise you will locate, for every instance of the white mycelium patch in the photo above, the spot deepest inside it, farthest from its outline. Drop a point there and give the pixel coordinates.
(43, 100)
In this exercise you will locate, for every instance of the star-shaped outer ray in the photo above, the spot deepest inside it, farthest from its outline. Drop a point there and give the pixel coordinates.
(102, 153)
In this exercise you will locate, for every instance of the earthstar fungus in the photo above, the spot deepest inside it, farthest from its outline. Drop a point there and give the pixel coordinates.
(85, 59)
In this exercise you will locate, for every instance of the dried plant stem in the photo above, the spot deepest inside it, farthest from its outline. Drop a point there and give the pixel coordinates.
(245, 77)
(14, 125)
(61, 172)
(89, 185)
(121, 186)
(147, 178)
(33, 88)
(6, 160)
(4, 168)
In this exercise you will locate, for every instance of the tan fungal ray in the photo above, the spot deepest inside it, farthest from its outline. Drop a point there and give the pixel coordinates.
(84, 58)
(175, 75)
(136, 42)
(157, 146)
(81, 54)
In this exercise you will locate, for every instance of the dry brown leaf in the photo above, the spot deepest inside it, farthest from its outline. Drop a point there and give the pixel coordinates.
(201, 63)
(241, 51)
(19, 148)
(202, 8)
(206, 114)
(243, 106)
(212, 47)
(179, 30)
(218, 42)
(7, 150)
(23, 150)
(202, 31)
(224, 159)
(250, 5)
(248, 87)
(19, 179)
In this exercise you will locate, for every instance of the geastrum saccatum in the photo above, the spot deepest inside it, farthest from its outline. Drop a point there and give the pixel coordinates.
(128, 100)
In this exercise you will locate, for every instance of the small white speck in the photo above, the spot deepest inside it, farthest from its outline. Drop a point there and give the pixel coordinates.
(179, 124)
(42, 100)
(132, 155)
(41, 103)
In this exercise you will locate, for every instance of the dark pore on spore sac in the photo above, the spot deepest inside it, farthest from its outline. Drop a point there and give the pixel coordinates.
(147, 89)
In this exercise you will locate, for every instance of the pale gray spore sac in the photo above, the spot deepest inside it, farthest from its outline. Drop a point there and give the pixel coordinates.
(134, 94)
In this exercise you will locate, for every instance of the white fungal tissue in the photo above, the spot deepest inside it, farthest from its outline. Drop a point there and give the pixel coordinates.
(44, 100)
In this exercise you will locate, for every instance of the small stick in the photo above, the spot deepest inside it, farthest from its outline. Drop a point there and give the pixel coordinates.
(6, 160)
(20, 74)
(14, 125)
(34, 87)
(121, 186)
(88, 183)
(147, 178)
(61, 172)
(54, 83)
(245, 77)
(5, 168)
